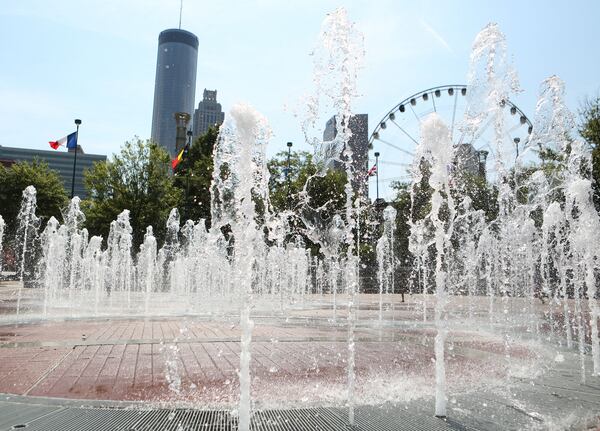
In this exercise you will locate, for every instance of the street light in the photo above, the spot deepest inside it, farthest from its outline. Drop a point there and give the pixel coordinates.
(377, 173)
(287, 173)
(187, 170)
(77, 123)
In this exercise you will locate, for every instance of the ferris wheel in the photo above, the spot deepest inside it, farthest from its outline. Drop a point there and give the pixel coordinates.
(393, 141)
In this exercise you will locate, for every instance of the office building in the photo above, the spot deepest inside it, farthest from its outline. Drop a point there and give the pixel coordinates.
(59, 161)
(175, 85)
(209, 113)
(359, 144)
(470, 161)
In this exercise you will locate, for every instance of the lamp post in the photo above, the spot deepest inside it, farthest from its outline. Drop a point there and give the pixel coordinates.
(287, 173)
(77, 123)
(377, 174)
(187, 185)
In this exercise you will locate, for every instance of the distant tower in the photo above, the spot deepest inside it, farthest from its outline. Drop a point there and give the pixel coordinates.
(209, 113)
(175, 84)
(359, 144)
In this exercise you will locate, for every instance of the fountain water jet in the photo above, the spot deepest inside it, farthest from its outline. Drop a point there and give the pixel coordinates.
(436, 150)
(239, 180)
(26, 238)
(337, 60)
(251, 260)
(385, 258)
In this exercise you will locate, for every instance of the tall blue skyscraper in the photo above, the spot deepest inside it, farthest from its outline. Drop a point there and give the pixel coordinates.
(175, 85)
(358, 143)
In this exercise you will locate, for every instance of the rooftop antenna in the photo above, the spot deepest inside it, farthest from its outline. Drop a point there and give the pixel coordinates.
(180, 11)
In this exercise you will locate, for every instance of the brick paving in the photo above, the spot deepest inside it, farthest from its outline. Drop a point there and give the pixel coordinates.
(132, 360)
(298, 360)
(299, 357)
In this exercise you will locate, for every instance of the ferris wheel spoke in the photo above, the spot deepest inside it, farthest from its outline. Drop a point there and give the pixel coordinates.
(491, 156)
(405, 132)
(500, 148)
(512, 129)
(462, 138)
(486, 143)
(481, 131)
(396, 147)
(519, 147)
(413, 111)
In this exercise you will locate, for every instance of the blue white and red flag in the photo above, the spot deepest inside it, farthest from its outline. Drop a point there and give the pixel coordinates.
(70, 141)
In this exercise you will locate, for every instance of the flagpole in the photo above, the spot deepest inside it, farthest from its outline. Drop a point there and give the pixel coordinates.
(377, 173)
(77, 122)
(287, 174)
(187, 171)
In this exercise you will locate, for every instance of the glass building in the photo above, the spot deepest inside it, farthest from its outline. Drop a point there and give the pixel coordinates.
(175, 85)
(358, 143)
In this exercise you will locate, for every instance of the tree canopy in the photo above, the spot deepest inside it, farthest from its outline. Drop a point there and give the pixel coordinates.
(51, 194)
(138, 179)
(589, 128)
(287, 187)
(193, 177)
(303, 192)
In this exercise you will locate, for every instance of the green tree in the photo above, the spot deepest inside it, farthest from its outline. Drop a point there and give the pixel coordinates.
(402, 204)
(51, 194)
(193, 176)
(137, 179)
(483, 195)
(589, 128)
(287, 187)
(302, 191)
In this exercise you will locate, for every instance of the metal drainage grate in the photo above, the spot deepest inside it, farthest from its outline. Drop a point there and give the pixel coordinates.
(30, 417)
(485, 413)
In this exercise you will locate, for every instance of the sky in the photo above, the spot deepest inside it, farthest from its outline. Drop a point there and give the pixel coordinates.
(96, 59)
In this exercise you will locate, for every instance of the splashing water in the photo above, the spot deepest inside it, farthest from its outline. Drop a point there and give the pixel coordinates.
(437, 151)
(26, 238)
(240, 176)
(337, 60)
(385, 258)
(554, 123)
(541, 246)
(171, 353)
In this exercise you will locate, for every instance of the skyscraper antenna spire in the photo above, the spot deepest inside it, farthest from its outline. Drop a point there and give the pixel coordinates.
(180, 11)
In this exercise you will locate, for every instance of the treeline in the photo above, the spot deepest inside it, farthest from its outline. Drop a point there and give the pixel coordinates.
(140, 178)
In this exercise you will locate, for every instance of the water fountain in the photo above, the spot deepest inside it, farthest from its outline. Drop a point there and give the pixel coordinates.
(436, 150)
(385, 258)
(251, 274)
(26, 238)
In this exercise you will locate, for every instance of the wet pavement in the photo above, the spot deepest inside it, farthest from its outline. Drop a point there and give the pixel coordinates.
(299, 359)
(185, 360)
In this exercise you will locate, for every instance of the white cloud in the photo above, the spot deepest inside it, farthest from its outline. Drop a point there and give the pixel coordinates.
(436, 35)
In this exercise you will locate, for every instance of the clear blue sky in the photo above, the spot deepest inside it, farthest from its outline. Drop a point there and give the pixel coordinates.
(96, 59)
